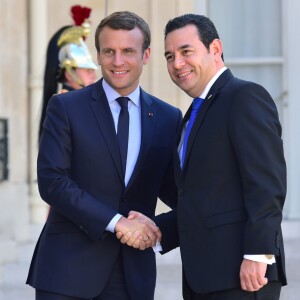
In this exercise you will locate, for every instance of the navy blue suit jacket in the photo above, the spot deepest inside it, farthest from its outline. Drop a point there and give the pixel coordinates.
(232, 188)
(80, 177)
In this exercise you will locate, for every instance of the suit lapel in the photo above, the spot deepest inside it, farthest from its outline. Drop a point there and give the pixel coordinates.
(101, 109)
(200, 117)
(211, 96)
(177, 168)
(148, 117)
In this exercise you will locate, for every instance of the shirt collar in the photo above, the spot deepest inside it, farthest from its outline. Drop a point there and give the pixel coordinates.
(212, 81)
(112, 95)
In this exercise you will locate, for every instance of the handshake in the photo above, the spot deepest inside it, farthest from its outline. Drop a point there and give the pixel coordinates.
(137, 231)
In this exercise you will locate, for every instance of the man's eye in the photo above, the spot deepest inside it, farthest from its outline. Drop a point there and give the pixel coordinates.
(169, 57)
(128, 51)
(186, 51)
(107, 51)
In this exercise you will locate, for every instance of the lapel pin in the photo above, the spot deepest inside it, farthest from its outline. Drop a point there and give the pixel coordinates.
(209, 96)
(150, 114)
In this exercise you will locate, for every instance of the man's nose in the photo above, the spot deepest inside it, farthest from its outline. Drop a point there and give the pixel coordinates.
(118, 59)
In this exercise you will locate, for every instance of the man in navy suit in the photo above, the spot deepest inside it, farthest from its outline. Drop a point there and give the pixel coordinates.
(230, 172)
(90, 189)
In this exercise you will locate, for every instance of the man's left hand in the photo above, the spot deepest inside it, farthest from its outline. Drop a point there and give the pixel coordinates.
(252, 275)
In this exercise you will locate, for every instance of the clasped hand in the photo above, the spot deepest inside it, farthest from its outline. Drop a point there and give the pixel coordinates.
(137, 231)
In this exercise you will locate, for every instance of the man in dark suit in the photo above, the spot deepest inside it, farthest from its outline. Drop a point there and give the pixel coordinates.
(91, 183)
(230, 172)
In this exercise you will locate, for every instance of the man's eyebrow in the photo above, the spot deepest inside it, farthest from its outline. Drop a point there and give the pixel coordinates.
(184, 46)
(180, 48)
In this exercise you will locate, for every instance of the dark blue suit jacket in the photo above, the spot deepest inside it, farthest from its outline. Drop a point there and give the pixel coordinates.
(80, 177)
(232, 188)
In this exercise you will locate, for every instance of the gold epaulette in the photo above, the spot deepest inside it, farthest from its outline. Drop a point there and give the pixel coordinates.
(74, 34)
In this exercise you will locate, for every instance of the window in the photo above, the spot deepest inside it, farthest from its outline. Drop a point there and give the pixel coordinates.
(251, 32)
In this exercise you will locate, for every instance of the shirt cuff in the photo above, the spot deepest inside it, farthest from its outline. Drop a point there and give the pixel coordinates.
(157, 247)
(264, 258)
(112, 224)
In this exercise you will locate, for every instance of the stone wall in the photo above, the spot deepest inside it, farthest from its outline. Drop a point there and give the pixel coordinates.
(14, 214)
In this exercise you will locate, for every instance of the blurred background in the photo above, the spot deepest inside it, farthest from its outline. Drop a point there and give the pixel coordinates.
(260, 40)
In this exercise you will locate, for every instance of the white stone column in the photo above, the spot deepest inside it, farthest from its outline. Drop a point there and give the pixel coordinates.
(291, 123)
(37, 54)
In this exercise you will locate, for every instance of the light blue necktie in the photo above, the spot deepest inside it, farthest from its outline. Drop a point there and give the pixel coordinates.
(197, 102)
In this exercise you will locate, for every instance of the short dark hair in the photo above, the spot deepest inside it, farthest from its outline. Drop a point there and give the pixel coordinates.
(206, 29)
(124, 20)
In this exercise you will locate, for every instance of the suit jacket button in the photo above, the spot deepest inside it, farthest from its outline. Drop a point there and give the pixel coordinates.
(180, 192)
(124, 199)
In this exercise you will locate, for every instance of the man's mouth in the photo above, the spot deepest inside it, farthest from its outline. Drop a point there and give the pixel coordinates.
(119, 72)
(184, 74)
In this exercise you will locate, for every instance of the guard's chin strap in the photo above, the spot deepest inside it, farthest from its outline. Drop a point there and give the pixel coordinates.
(74, 76)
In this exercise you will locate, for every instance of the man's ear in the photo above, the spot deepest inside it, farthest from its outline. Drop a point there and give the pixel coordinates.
(98, 58)
(216, 47)
(146, 56)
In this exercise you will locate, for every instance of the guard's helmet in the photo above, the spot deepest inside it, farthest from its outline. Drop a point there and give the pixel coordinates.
(73, 52)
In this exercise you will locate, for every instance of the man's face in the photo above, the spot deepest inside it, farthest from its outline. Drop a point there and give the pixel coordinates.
(86, 76)
(121, 58)
(190, 64)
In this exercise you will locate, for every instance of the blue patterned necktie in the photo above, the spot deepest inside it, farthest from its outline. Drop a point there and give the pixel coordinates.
(123, 130)
(197, 102)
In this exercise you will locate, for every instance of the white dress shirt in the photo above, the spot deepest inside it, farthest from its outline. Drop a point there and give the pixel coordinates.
(203, 96)
(134, 140)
